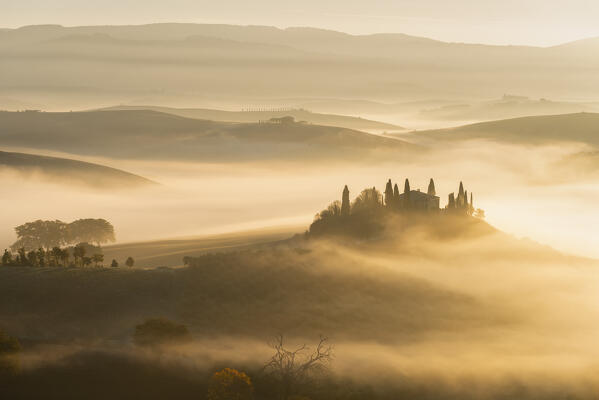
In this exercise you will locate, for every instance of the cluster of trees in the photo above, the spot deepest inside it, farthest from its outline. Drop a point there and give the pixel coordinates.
(50, 234)
(80, 255)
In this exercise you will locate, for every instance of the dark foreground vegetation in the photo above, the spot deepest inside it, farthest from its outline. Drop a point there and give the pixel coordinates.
(129, 375)
(205, 331)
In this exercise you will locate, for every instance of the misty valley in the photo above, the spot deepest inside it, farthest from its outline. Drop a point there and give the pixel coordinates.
(232, 212)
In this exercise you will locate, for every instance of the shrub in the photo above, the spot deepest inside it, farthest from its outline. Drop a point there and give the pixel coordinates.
(230, 384)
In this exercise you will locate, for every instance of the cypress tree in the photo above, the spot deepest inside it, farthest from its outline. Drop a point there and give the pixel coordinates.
(345, 201)
(431, 188)
(451, 201)
(460, 200)
(406, 194)
(396, 196)
(389, 194)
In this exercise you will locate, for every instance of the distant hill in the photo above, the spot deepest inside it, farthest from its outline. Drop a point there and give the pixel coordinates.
(147, 134)
(506, 107)
(122, 64)
(342, 121)
(581, 127)
(66, 171)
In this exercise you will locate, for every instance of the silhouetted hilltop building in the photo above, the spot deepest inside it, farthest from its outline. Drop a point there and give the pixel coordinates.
(419, 201)
(367, 215)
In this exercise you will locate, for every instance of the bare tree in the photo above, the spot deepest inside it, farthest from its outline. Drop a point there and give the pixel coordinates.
(293, 367)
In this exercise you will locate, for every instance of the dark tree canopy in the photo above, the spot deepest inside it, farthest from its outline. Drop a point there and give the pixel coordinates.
(230, 384)
(44, 234)
(368, 200)
(50, 234)
(157, 331)
(91, 230)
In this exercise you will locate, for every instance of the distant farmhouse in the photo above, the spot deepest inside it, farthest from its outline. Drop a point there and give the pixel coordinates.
(366, 215)
(416, 200)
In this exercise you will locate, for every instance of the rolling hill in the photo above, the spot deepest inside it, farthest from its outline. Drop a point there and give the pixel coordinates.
(191, 63)
(170, 252)
(342, 121)
(581, 128)
(504, 108)
(67, 171)
(147, 134)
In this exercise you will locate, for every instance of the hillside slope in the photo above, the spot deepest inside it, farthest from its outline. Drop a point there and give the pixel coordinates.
(67, 171)
(342, 121)
(581, 127)
(152, 135)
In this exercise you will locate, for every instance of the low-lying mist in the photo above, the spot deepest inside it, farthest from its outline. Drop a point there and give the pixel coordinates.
(534, 192)
(453, 309)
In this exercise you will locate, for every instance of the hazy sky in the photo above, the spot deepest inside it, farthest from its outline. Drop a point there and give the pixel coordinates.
(536, 22)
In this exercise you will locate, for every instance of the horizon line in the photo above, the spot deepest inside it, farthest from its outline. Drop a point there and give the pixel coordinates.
(281, 28)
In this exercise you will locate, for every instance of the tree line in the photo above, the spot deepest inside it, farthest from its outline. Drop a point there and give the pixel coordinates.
(80, 255)
(50, 234)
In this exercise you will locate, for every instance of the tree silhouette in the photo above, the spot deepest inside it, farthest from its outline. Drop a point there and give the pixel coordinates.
(230, 384)
(97, 258)
(293, 367)
(56, 255)
(32, 258)
(406, 193)
(91, 230)
(79, 253)
(41, 257)
(345, 202)
(389, 194)
(114, 264)
(129, 262)
(431, 188)
(396, 196)
(44, 234)
(451, 202)
(64, 257)
(49, 234)
(7, 258)
(368, 200)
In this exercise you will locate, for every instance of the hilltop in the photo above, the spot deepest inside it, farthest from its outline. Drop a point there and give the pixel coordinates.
(580, 127)
(145, 134)
(69, 172)
(342, 121)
